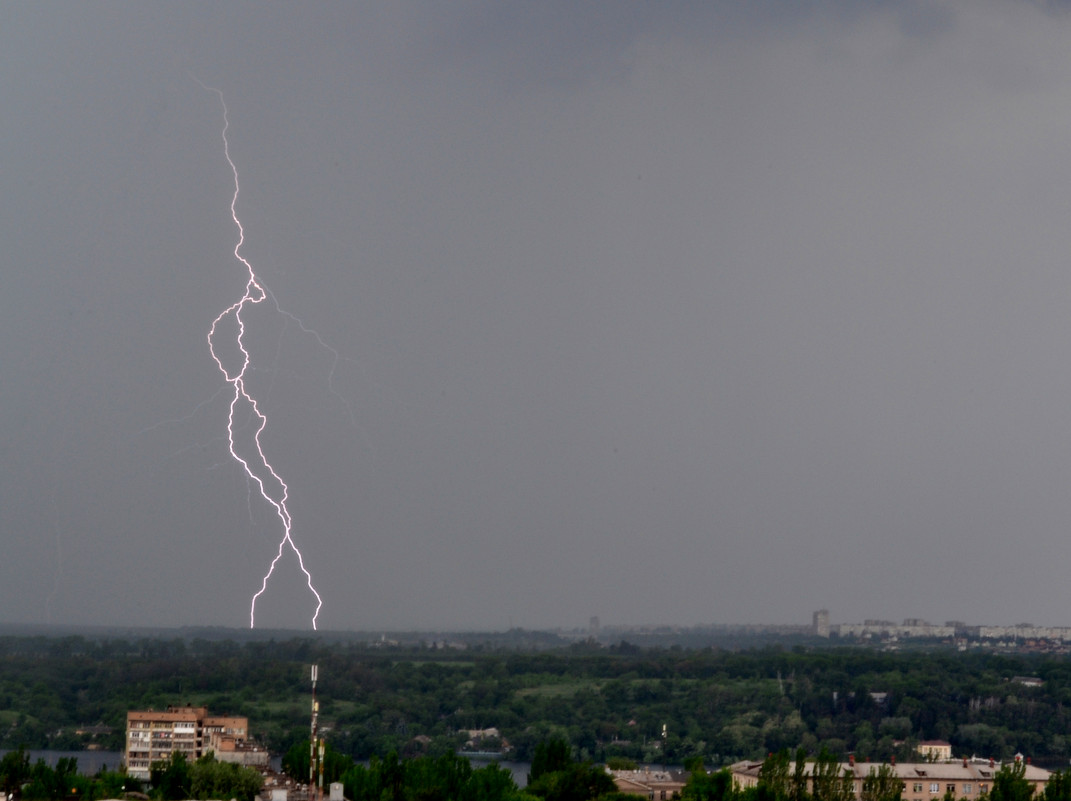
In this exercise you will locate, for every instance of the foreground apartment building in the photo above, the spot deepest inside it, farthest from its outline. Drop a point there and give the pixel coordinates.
(922, 781)
(153, 736)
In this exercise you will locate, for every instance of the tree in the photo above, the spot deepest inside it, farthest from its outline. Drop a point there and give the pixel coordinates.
(114, 783)
(1010, 784)
(171, 777)
(703, 786)
(489, 783)
(438, 779)
(550, 756)
(212, 779)
(881, 785)
(1058, 787)
(797, 790)
(14, 770)
(556, 776)
(580, 781)
(828, 782)
(773, 778)
(63, 781)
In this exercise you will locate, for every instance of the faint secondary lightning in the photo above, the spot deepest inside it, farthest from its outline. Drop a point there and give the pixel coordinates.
(257, 467)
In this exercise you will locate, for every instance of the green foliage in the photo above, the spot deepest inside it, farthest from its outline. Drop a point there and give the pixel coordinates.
(295, 763)
(176, 779)
(602, 702)
(580, 781)
(39, 782)
(881, 785)
(14, 770)
(445, 778)
(774, 777)
(828, 781)
(551, 756)
(1058, 787)
(170, 778)
(491, 783)
(703, 786)
(1010, 784)
(114, 784)
(783, 780)
(63, 781)
(556, 776)
(212, 779)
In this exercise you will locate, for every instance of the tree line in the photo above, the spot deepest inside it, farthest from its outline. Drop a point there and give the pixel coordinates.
(556, 775)
(720, 705)
(170, 780)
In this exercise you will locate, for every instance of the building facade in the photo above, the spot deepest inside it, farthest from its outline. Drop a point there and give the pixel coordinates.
(153, 736)
(922, 781)
(935, 750)
(654, 785)
(821, 623)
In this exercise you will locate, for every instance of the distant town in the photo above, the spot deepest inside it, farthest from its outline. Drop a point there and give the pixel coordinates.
(886, 633)
(153, 738)
(882, 633)
(194, 716)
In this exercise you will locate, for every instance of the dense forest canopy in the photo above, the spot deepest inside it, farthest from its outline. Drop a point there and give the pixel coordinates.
(605, 702)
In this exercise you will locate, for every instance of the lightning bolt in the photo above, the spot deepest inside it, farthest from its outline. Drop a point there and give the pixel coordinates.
(257, 467)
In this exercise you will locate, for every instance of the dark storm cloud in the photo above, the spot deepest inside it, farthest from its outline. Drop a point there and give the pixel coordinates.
(661, 312)
(566, 44)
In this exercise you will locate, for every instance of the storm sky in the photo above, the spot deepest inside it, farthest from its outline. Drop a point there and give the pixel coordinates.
(686, 313)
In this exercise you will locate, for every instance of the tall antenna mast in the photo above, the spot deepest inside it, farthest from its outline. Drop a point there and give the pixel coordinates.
(312, 739)
(320, 786)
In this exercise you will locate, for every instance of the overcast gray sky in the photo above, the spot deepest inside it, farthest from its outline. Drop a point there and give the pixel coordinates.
(704, 312)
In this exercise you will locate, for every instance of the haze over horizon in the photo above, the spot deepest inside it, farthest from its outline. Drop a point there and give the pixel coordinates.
(685, 313)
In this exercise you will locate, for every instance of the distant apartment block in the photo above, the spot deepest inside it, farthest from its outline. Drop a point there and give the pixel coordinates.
(916, 627)
(153, 736)
(821, 623)
(912, 627)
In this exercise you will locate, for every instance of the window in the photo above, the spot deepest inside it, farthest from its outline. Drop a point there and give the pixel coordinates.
(983, 789)
(951, 788)
(966, 789)
(935, 788)
(917, 787)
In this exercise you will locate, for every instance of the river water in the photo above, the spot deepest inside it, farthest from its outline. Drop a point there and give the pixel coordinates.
(89, 762)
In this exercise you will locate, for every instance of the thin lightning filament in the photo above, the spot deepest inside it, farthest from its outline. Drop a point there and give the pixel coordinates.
(257, 467)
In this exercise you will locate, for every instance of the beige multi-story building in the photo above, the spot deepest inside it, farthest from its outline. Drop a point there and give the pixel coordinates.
(654, 785)
(935, 750)
(153, 736)
(922, 781)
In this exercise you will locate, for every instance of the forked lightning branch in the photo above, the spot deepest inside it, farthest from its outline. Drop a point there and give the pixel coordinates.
(244, 405)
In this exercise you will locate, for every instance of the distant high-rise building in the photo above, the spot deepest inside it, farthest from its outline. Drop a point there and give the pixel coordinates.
(153, 736)
(821, 623)
(593, 624)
